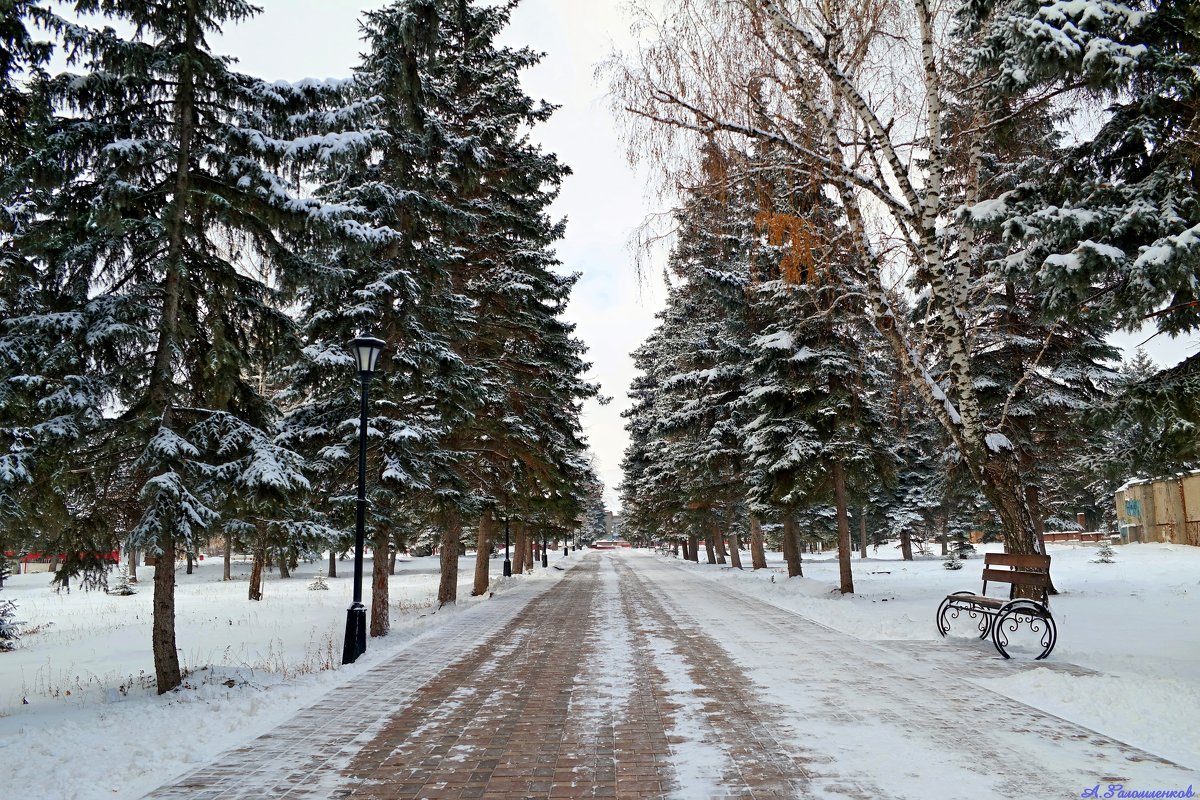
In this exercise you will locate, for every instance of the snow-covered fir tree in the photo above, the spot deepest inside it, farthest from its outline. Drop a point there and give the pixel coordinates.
(477, 404)
(24, 112)
(1107, 230)
(1111, 227)
(1106, 554)
(120, 585)
(161, 250)
(10, 628)
(526, 442)
(814, 427)
(686, 406)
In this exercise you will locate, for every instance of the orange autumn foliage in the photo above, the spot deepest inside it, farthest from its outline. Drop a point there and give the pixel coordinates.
(799, 262)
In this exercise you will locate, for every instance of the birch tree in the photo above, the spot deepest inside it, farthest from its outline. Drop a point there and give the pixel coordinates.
(856, 94)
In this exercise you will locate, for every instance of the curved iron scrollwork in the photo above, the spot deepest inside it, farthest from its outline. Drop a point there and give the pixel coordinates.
(1017, 613)
(1008, 619)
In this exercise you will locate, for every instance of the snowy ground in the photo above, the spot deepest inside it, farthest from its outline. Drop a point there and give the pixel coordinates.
(1131, 626)
(76, 699)
(75, 704)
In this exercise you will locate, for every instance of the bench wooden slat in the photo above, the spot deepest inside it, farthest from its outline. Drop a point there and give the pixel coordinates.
(1018, 577)
(978, 600)
(1029, 561)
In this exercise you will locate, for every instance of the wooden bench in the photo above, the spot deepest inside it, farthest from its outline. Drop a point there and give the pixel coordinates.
(998, 617)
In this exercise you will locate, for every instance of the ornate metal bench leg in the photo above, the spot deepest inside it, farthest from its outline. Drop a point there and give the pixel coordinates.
(947, 612)
(1024, 612)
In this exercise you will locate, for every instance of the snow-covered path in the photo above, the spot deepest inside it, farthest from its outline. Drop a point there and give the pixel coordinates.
(635, 677)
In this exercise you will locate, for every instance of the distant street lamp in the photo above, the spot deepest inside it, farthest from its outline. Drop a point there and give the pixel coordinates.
(507, 562)
(366, 353)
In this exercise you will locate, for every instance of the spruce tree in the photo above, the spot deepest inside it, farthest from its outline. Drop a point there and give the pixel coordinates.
(1107, 229)
(477, 406)
(10, 628)
(161, 242)
(23, 115)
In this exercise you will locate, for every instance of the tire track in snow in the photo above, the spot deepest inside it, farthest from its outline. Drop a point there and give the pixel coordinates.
(722, 740)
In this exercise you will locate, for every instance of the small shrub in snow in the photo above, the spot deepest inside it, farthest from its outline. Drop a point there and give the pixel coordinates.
(959, 551)
(10, 629)
(121, 585)
(1105, 555)
(318, 583)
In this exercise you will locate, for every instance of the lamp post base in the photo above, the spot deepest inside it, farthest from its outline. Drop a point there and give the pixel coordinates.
(507, 568)
(356, 633)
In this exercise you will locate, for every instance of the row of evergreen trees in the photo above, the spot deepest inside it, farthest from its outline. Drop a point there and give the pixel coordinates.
(771, 392)
(187, 251)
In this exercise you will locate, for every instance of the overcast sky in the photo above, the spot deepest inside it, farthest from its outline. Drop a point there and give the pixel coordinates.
(604, 200)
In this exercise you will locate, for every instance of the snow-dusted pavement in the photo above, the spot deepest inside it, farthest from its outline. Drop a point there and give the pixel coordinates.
(635, 677)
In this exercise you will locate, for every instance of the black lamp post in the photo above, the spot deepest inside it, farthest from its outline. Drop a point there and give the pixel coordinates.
(507, 562)
(366, 352)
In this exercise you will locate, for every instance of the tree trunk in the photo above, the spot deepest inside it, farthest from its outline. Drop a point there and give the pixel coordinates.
(227, 559)
(693, 547)
(269, 559)
(160, 392)
(709, 550)
(906, 545)
(451, 538)
(332, 562)
(391, 558)
(683, 545)
(791, 551)
(862, 532)
(519, 547)
(381, 621)
(718, 542)
(758, 551)
(843, 521)
(1004, 489)
(132, 564)
(166, 656)
(1035, 507)
(259, 561)
(483, 548)
(284, 571)
(531, 560)
(735, 554)
(190, 562)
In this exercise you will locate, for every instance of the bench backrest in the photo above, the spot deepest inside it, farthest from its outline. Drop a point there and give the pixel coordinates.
(1023, 570)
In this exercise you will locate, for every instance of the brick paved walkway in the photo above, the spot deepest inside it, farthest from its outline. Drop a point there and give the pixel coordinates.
(627, 679)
